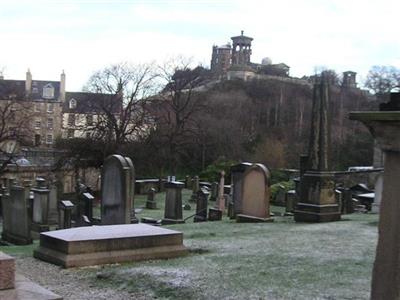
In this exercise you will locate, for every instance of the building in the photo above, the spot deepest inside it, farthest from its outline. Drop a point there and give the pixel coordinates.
(230, 62)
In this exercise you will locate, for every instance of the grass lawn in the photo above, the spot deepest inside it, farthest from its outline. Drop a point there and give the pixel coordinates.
(229, 260)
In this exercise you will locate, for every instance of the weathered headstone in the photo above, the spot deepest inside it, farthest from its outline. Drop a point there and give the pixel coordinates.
(385, 128)
(151, 202)
(237, 180)
(221, 198)
(16, 222)
(195, 188)
(117, 190)
(317, 201)
(255, 195)
(290, 201)
(214, 191)
(173, 203)
(53, 203)
(87, 199)
(65, 214)
(202, 205)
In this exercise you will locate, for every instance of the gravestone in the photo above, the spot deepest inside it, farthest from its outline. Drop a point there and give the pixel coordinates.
(195, 188)
(214, 191)
(40, 219)
(317, 201)
(255, 195)
(280, 196)
(53, 203)
(151, 202)
(202, 205)
(290, 202)
(173, 203)
(65, 214)
(16, 222)
(385, 128)
(117, 190)
(221, 198)
(237, 180)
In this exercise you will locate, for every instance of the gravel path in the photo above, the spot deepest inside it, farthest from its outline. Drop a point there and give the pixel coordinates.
(68, 283)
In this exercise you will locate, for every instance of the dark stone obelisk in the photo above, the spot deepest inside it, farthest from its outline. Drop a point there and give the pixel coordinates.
(317, 197)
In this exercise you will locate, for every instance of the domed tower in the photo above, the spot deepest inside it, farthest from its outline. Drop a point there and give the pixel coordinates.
(241, 49)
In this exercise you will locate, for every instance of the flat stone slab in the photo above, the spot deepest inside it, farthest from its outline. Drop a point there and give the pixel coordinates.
(85, 246)
(27, 290)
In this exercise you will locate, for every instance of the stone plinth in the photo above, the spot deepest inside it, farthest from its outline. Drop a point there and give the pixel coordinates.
(317, 198)
(385, 128)
(7, 272)
(96, 245)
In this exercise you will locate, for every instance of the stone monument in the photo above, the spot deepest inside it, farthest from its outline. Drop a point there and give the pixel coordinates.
(173, 203)
(195, 188)
(384, 125)
(255, 195)
(40, 218)
(237, 180)
(151, 202)
(317, 201)
(117, 191)
(202, 205)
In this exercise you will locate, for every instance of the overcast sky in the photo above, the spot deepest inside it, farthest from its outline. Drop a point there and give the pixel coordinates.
(83, 36)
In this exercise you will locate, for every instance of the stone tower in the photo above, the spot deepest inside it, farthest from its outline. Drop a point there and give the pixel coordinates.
(221, 58)
(349, 79)
(241, 49)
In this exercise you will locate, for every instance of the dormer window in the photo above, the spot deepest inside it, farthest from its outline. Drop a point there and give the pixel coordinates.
(72, 104)
(48, 91)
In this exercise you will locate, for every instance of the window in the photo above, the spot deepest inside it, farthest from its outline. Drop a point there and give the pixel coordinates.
(37, 139)
(71, 120)
(89, 120)
(70, 133)
(48, 91)
(72, 104)
(50, 123)
(50, 107)
(49, 139)
(37, 124)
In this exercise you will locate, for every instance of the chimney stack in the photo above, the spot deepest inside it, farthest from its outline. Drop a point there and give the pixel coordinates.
(28, 83)
(62, 87)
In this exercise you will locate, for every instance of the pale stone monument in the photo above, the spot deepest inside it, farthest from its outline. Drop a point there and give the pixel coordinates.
(317, 201)
(151, 202)
(173, 203)
(117, 190)
(195, 188)
(40, 218)
(237, 172)
(255, 195)
(221, 198)
(96, 245)
(385, 128)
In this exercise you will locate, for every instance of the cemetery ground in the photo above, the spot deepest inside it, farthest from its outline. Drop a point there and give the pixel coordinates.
(229, 260)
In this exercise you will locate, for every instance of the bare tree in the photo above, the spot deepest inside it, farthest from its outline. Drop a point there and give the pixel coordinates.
(121, 110)
(382, 80)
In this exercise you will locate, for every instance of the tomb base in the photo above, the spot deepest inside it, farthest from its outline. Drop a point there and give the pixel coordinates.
(15, 239)
(172, 221)
(97, 245)
(199, 219)
(214, 214)
(240, 218)
(306, 212)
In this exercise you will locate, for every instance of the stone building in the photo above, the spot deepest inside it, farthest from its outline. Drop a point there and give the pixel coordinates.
(231, 62)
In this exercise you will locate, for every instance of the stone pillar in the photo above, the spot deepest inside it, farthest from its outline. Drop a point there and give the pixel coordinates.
(87, 199)
(201, 205)
(151, 202)
(173, 203)
(378, 163)
(53, 203)
(214, 191)
(290, 202)
(317, 186)
(65, 215)
(40, 206)
(221, 198)
(385, 128)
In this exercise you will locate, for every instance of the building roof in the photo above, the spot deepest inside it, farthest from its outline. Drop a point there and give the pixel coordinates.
(91, 103)
(15, 89)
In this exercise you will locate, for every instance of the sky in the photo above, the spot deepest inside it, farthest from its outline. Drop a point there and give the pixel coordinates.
(83, 36)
